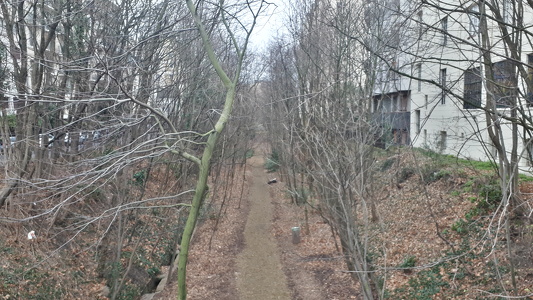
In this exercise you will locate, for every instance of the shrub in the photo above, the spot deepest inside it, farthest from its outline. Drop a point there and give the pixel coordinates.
(139, 178)
(405, 173)
(460, 226)
(525, 177)
(387, 164)
(427, 284)
(273, 162)
(249, 153)
(408, 262)
(432, 174)
(455, 193)
(424, 285)
(473, 212)
(491, 192)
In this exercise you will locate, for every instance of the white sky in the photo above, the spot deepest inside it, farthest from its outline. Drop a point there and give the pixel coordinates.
(269, 25)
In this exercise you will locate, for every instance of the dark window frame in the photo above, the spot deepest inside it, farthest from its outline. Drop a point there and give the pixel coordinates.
(504, 73)
(472, 88)
(442, 81)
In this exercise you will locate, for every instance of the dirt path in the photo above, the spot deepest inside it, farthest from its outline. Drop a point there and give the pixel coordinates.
(259, 272)
(250, 255)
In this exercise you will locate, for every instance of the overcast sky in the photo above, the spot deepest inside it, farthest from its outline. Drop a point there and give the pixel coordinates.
(269, 25)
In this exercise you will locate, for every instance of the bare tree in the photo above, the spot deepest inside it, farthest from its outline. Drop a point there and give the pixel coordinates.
(471, 62)
(456, 73)
(320, 98)
(230, 81)
(111, 96)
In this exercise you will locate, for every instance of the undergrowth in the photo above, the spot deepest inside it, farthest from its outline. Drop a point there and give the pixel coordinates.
(421, 286)
(272, 163)
(467, 261)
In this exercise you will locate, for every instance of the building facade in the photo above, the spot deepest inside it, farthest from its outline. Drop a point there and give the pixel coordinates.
(455, 72)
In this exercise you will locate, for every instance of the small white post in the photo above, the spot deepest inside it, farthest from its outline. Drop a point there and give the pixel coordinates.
(296, 235)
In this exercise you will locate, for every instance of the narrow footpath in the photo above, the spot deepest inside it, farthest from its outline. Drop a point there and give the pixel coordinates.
(259, 271)
(250, 255)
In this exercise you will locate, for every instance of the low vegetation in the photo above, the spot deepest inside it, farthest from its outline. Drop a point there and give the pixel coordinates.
(445, 237)
(436, 238)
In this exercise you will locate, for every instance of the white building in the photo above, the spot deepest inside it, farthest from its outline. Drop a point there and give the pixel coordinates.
(434, 90)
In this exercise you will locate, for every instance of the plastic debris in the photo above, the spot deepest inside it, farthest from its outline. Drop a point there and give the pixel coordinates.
(273, 180)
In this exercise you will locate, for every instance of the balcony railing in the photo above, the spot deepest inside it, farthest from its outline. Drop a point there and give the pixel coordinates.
(396, 120)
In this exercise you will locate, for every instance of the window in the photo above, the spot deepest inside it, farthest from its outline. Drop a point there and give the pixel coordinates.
(378, 105)
(425, 101)
(529, 148)
(387, 104)
(419, 75)
(473, 18)
(505, 83)
(529, 83)
(420, 23)
(404, 101)
(444, 28)
(472, 88)
(507, 11)
(417, 124)
(405, 137)
(503, 86)
(442, 81)
(443, 141)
